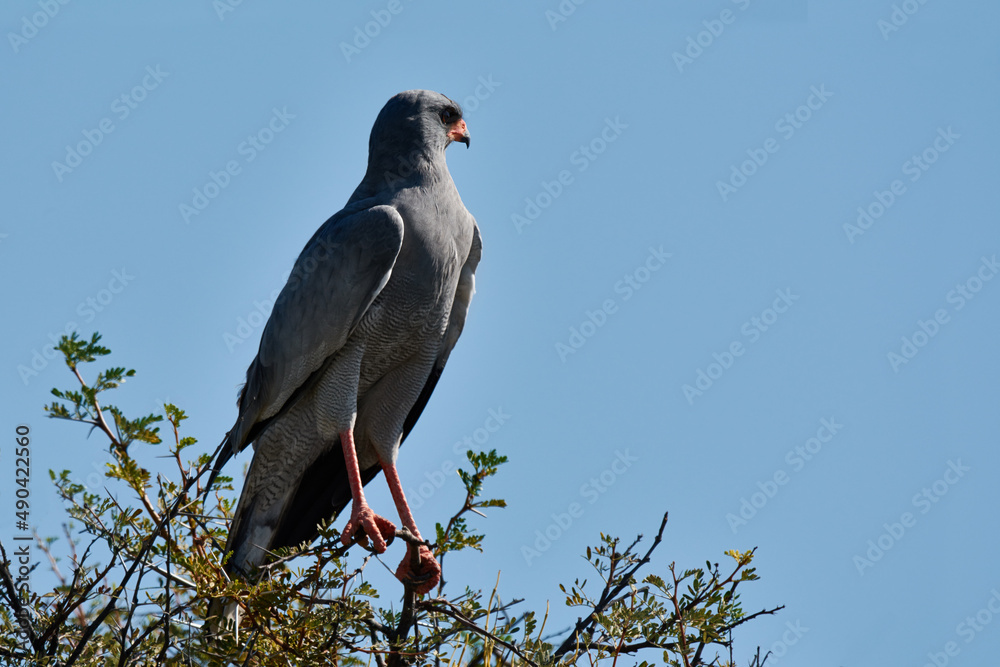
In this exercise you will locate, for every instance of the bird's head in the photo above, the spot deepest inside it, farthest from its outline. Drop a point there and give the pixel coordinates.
(419, 117)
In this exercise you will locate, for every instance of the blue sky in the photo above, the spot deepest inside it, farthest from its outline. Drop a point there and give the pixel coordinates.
(738, 265)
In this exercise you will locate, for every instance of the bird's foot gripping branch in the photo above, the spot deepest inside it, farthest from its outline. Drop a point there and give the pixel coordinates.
(140, 562)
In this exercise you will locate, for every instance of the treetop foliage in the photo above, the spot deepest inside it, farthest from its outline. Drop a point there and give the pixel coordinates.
(140, 560)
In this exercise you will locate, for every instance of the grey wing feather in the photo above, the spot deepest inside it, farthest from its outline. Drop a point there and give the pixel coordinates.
(335, 279)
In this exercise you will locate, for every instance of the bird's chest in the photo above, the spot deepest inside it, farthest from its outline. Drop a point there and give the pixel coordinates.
(405, 325)
(405, 318)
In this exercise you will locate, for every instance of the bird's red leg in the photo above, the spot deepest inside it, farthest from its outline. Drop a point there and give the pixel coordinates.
(379, 530)
(428, 574)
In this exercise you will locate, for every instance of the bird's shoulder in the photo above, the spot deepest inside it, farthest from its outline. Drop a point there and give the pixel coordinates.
(340, 272)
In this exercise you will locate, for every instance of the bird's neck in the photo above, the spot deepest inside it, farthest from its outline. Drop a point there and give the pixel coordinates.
(420, 165)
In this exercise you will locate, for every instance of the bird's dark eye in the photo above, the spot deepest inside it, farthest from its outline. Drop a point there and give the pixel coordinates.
(449, 116)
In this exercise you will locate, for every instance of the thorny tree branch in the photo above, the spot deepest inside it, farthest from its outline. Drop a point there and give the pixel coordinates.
(409, 594)
(140, 557)
(446, 608)
(10, 592)
(608, 595)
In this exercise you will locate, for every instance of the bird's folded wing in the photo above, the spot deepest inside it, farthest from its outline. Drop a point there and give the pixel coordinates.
(335, 279)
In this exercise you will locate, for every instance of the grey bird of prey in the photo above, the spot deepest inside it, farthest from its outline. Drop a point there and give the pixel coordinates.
(355, 344)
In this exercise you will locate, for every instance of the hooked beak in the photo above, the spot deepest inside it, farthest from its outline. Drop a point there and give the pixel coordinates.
(459, 132)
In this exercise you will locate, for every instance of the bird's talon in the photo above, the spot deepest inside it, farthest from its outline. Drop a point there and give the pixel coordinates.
(428, 572)
(365, 526)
